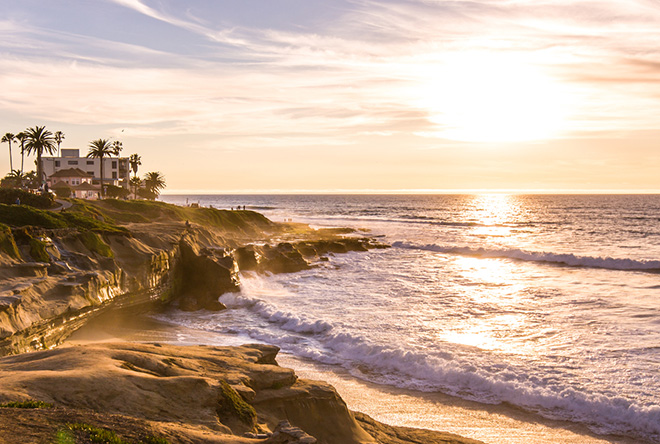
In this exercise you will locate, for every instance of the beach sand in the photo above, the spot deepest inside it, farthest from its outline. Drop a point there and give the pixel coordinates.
(493, 424)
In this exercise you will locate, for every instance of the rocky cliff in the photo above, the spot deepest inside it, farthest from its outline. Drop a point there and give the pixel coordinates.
(55, 277)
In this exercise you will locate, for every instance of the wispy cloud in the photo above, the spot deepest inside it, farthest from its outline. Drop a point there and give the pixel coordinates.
(353, 73)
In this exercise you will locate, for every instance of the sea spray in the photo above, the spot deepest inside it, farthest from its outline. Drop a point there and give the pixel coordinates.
(491, 383)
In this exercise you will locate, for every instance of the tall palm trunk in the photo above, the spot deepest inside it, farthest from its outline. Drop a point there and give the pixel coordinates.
(40, 170)
(102, 191)
(11, 164)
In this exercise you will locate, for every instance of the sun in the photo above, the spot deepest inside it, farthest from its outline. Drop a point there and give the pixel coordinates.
(493, 98)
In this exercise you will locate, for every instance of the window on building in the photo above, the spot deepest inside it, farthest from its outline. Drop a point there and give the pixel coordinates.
(114, 174)
(90, 173)
(114, 164)
(72, 162)
(90, 162)
(57, 163)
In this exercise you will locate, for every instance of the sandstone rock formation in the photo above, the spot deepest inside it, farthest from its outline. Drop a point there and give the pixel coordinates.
(54, 280)
(210, 389)
(189, 394)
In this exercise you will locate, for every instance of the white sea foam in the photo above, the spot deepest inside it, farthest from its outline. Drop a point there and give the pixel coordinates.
(471, 379)
(285, 320)
(533, 256)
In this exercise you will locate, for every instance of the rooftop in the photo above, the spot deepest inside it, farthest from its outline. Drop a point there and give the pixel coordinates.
(71, 172)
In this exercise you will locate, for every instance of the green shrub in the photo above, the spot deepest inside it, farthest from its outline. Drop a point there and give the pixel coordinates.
(114, 192)
(231, 403)
(38, 250)
(7, 242)
(8, 197)
(146, 194)
(86, 208)
(96, 244)
(78, 220)
(64, 437)
(103, 436)
(147, 211)
(98, 435)
(29, 404)
(21, 215)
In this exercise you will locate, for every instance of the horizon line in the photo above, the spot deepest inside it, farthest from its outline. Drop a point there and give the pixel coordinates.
(181, 192)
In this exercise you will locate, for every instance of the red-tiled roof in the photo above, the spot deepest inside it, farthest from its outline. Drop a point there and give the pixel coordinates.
(86, 186)
(60, 185)
(71, 172)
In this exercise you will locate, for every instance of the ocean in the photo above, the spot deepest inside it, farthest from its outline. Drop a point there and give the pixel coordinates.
(546, 303)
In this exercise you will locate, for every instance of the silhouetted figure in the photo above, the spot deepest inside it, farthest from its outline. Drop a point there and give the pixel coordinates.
(18, 201)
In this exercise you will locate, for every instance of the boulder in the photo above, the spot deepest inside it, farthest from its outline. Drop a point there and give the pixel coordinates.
(204, 275)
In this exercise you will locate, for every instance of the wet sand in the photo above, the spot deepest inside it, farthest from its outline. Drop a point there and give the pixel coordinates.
(498, 424)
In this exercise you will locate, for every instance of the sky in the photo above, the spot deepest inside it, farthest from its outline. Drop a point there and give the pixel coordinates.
(253, 96)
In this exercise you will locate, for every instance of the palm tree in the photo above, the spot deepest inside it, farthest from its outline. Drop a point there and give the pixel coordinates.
(13, 179)
(154, 182)
(136, 182)
(9, 138)
(99, 149)
(30, 178)
(117, 147)
(134, 161)
(59, 137)
(22, 137)
(39, 140)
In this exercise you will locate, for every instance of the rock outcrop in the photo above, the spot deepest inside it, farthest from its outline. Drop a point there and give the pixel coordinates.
(289, 257)
(55, 280)
(203, 275)
(44, 299)
(225, 391)
(192, 394)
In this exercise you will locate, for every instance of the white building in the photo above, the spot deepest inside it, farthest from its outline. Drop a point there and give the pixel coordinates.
(116, 170)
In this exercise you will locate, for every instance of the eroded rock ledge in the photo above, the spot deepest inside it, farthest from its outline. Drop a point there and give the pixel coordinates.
(53, 281)
(192, 394)
(205, 273)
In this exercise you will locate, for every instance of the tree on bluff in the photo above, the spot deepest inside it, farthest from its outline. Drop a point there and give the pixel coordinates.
(39, 140)
(154, 183)
(99, 149)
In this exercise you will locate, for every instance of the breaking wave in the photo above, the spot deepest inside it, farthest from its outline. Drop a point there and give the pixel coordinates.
(446, 372)
(568, 259)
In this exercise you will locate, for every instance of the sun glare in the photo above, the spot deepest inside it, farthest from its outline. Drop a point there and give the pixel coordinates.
(486, 98)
